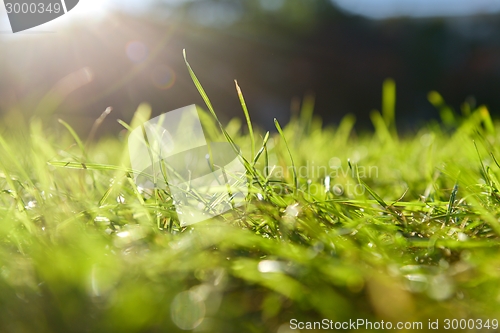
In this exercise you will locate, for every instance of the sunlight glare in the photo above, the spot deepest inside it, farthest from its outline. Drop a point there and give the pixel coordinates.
(91, 9)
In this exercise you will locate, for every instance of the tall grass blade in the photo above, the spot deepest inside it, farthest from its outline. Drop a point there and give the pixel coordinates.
(389, 104)
(75, 137)
(294, 169)
(247, 117)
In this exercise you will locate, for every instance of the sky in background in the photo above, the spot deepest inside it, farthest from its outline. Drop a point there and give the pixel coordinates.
(379, 9)
(376, 9)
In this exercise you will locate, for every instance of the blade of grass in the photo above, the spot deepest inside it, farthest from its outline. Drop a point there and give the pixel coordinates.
(204, 95)
(306, 113)
(9, 153)
(247, 116)
(96, 125)
(372, 192)
(389, 105)
(261, 150)
(451, 203)
(294, 170)
(485, 116)
(381, 129)
(483, 169)
(75, 137)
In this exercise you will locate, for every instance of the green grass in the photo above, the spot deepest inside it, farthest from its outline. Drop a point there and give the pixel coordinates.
(413, 236)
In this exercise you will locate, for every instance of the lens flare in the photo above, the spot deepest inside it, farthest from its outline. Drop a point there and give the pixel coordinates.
(137, 51)
(163, 77)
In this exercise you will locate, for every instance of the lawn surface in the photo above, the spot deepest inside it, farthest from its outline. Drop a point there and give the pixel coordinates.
(337, 225)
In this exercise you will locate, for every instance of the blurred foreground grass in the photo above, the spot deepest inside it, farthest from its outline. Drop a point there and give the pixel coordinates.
(372, 226)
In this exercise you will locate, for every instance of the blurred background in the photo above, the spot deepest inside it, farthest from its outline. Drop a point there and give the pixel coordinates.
(120, 53)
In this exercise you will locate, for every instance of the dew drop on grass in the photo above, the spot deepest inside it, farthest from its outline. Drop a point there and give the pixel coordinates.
(123, 234)
(31, 204)
(269, 266)
(120, 199)
(101, 219)
(327, 183)
(338, 190)
(292, 210)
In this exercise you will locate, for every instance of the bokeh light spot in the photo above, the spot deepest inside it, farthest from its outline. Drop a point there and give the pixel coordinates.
(163, 77)
(187, 310)
(272, 5)
(211, 13)
(137, 51)
(335, 163)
